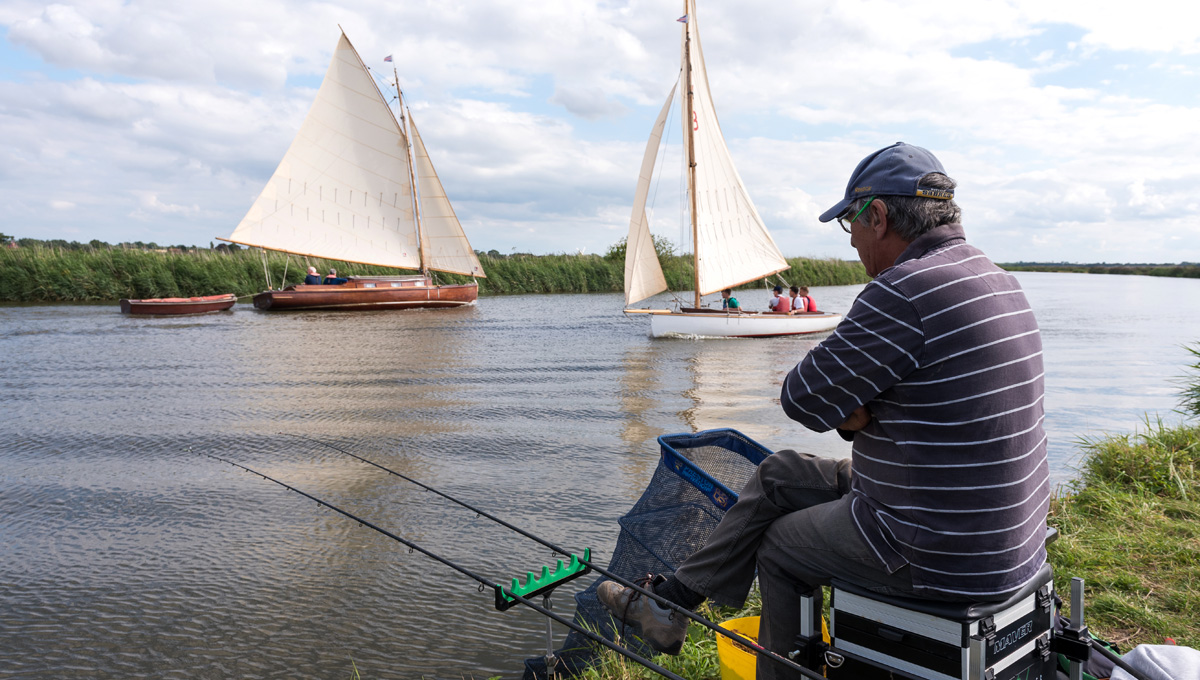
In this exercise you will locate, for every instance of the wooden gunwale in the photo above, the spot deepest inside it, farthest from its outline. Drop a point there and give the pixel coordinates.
(355, 296)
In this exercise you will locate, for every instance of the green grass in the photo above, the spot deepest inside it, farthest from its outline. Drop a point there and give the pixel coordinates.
(50, 274)
(1130, 527)
(696, 661)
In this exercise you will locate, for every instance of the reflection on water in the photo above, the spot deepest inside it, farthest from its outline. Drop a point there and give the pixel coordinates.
(639, 384)
(126, 553)
(730, 391)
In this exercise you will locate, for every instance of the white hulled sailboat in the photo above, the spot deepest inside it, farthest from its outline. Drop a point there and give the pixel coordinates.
(357, 185)
(731, 245)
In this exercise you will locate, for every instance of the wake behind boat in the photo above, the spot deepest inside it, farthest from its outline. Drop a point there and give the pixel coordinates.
(731, 245)
(357, 185)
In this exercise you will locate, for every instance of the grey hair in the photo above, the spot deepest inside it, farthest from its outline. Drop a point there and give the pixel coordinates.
(912, 216)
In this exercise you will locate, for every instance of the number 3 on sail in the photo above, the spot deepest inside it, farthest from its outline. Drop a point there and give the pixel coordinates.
(731, 245)
(357, 185)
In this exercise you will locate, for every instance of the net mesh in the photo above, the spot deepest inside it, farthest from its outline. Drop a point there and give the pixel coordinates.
(688, 495)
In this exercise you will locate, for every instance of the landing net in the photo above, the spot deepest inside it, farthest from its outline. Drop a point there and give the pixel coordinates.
(696, 481)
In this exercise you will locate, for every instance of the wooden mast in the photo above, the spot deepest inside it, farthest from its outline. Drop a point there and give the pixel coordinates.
(691, 128)
(422, 253)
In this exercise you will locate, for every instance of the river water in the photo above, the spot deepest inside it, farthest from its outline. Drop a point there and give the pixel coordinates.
(126, 553)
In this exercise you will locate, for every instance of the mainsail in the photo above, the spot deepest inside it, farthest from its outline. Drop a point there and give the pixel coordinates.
(732, 245)
(343, 190)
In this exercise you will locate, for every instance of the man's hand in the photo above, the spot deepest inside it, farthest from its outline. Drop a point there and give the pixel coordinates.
(857, 420)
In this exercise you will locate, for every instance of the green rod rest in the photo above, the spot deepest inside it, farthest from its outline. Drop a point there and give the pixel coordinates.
(544, 582)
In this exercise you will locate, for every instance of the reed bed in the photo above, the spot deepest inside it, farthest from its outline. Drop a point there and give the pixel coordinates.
(1185, 270)
(48, 274)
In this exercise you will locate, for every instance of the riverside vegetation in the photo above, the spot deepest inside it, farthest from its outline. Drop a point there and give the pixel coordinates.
(1185, 270)
(1129, 525)
(38, 272)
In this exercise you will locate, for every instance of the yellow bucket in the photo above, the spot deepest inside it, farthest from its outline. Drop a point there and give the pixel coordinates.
(737, 662)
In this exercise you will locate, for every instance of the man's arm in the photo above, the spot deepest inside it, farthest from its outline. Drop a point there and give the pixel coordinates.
(874, 347)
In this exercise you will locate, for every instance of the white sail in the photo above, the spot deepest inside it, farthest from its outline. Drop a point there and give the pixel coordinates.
(732, 245)
(446, 246)
(342, 190)
(643, 273)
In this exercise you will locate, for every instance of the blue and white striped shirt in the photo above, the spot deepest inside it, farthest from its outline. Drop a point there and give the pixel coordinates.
(950, 476)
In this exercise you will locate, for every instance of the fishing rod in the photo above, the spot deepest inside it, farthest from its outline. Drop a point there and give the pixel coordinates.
(500, 590)
(751, 644)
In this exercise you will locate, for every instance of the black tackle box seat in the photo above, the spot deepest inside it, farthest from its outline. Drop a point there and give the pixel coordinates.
(878, 636)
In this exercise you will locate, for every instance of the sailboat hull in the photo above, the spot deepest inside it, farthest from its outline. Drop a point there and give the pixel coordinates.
(666, 324)
(369, 294)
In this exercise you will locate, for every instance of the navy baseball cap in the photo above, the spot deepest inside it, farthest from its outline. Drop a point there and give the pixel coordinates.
(891, 171)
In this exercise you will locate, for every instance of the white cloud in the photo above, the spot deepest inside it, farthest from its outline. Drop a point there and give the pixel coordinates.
(536, 111)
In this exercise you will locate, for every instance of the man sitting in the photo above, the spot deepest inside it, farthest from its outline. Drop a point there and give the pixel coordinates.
(780, 302)
(332, 278)
(936, 377)
(313, 278)
(728, 302)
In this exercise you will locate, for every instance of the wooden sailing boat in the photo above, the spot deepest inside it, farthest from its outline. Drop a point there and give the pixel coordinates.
(731, 245)
(357, 185)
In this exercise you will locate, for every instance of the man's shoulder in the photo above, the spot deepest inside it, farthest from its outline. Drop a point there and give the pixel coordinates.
(940, 265)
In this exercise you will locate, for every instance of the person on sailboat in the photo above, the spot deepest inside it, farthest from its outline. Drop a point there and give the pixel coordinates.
(728, 302)
(799, 302)
(802, 301)
(313, 278)
(779, 302)
(936, 377)
(333, 279)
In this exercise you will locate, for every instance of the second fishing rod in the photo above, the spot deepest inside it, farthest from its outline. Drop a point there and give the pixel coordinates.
(745, 642)
(504, 598)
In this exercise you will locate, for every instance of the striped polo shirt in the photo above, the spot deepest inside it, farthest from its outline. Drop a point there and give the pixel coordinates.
(950, 477)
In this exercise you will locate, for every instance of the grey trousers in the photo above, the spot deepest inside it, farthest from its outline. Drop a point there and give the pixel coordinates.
(792, 524)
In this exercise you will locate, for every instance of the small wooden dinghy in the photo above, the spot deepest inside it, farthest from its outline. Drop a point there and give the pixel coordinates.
(192, 305)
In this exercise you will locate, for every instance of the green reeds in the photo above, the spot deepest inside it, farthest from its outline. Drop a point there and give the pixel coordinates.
(1180, 271)
(49, 274)
(1189, 396)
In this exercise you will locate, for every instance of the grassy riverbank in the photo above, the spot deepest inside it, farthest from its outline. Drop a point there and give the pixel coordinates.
(1185, 270)
(46, 274)
(1129, 525)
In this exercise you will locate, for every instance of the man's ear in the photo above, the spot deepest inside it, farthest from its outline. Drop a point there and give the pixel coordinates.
(878, 211)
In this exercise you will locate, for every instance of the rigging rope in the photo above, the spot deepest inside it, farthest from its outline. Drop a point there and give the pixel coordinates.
(266, 272)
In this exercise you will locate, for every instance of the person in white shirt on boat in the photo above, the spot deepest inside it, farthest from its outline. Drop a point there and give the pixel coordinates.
(780, 302)
(802, 301)
(799, 302)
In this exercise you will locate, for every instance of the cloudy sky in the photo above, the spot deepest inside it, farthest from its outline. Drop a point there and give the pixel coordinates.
(1072, 127)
